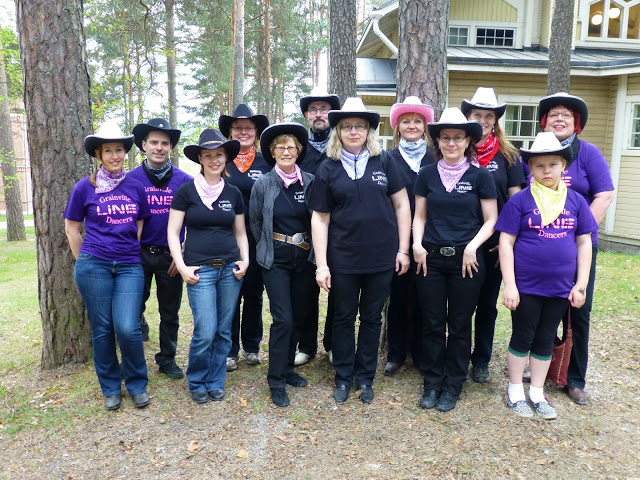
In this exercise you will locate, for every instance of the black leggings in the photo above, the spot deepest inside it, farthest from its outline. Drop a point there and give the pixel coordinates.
(535, 323)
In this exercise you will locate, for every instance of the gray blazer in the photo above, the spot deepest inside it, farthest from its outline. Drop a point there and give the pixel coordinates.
(263, 197)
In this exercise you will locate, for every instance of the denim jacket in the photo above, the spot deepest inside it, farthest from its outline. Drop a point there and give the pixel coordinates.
(263, 197)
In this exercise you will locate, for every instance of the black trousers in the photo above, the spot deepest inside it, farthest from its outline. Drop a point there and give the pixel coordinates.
(486, 311)
(447, 301)
(251, 299)
(289, 284)
(169, 293)
(580, 322)
(366, 294)
(404, 323)
(309, 332)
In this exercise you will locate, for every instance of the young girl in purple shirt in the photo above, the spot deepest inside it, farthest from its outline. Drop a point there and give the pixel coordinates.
(549, 219)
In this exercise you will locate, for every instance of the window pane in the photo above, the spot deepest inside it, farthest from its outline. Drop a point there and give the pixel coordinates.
(633, 26)
(636, 141)
(595, 19)
(529, 112)
(527, 129)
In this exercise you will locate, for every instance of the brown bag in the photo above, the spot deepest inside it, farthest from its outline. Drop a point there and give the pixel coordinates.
(561, 355)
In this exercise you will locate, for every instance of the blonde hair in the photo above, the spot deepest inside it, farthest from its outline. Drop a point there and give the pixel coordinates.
(334, 147)
(282, 139)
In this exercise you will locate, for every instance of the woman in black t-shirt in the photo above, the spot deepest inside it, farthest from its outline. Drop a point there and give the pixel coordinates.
(455, 214)
(360, 227)
(216, 257)
(249, 165)
(500, 158)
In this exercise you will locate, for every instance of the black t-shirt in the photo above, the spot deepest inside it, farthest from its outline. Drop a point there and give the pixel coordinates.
(290, 211)
(245, 181)
(453, 218)
(363, 232)
(209, 232)
(428, 159)
(312, 160)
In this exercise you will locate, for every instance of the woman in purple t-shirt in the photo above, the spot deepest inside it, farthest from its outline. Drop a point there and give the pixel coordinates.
(554, 221)
(108, 271)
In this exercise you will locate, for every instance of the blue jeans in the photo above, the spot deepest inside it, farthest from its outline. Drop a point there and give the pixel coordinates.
(213, 301)
(112, 294)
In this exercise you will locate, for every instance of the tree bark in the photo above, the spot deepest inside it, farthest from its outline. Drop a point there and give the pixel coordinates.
(422, 52)
(342, 48)
(171, 73)
(10, 178)
(559, 78)
(238, 53)
(58, 111)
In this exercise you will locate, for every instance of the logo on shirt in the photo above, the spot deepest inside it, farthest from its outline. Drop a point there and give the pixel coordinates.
(492, 166)
(563, 222)
(463, 187)
(299, 197)
(379, 177)
(254, 174)
(225, 205)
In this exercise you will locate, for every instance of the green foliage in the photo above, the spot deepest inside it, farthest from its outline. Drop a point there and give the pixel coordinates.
(12, 65)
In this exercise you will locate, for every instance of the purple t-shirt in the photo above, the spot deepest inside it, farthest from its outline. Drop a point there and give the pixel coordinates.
(545, 258)
(109, 219)
(588, 174)
(159, 200)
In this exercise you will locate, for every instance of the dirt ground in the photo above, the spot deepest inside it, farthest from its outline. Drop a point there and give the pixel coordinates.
(247, 437)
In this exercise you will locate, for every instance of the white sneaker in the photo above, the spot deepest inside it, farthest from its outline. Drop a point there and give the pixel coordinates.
(330, 354)
(301, 359)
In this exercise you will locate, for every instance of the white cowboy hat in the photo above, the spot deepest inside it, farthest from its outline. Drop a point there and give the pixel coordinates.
(546, 143)
(354, 107)
(453, 118)
(108, 132)
(483, 99)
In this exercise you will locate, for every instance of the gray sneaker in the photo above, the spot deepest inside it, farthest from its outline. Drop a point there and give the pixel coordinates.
(545, 409)
(232, 364)
(520, 408)
(480, 374)
(252, 358)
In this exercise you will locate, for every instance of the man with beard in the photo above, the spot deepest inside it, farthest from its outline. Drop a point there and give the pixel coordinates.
(160, 180)
(315, 107)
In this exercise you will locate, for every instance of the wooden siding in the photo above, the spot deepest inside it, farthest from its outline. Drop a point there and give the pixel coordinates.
(627, 219)
(483, 10)
(633, 85)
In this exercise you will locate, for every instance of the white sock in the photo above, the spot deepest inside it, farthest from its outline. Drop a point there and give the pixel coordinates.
(516, 392)
(536, 395)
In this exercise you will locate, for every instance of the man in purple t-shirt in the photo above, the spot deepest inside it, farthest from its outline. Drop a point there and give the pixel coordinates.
(160, 179)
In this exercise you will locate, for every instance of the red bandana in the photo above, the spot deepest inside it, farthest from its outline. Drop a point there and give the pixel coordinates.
(488, 149)
(244, 160)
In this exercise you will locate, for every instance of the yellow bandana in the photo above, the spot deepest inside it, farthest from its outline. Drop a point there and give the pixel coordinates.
(550, 202)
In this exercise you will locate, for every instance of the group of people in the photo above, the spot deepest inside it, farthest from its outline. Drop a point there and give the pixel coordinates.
(434, 226)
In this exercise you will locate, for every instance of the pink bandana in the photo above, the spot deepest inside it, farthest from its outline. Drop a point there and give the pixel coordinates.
(289, 178)
(208, 194)
(107, 181)
(450, 175)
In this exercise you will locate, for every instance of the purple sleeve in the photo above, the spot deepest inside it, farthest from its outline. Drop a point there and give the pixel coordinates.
(145, 210)
(75, 210)
(511, 215)
(586, 222)
(597, 170)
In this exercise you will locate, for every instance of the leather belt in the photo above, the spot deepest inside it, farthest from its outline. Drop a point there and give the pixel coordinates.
(218, 263)
(154, 249)
(298, 239)
(447, 251)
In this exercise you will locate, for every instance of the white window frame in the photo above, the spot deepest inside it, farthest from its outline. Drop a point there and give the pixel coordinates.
(585, 10)
(458, 27)
(628, 149)
(514, 39)
(518, 100)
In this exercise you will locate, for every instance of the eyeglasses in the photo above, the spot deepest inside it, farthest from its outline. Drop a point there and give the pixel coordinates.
(556, 115)
(359, 128)
(447, 140)
(243, 129)
(322, 110)
(288, 149)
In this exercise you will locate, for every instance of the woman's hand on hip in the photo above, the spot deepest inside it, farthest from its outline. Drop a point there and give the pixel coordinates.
(189, 274)
(241, 269)
(469, 262)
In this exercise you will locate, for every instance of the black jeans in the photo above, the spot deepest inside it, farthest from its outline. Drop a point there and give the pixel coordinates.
(289, 284)
(309, 332)
(580, 321)
(486, 311)
(404, 323)
(251, 293)
(366, 293)
(447, 301)
(169, 293)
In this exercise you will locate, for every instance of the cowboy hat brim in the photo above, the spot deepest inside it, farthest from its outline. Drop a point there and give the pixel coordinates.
(224, 123)
(369, 115)
(231, 148)
(92, 142)
(467, 106)
(570, 101)
(471, 128)
(289, 128)
(142, 130)
(399, 109)
(332, 100)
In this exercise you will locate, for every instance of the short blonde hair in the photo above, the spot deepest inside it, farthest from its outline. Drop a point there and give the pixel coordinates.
(334, 147)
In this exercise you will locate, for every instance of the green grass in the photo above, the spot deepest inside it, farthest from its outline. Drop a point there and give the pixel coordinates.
(31, 398)
(3, 218)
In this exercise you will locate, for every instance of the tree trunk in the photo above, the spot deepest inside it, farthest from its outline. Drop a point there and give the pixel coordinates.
(171, 73)
(559, 78)
(58, 111)
(238, 53)
(422, 52)
(10, 179)
(342, 48)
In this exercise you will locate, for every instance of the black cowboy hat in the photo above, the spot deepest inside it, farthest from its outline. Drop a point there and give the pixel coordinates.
(210, 139)
(354, 108)
(287, 128)
(108, 132)
(242, 111)
(320, 95)
(141, 131)
(564, 99)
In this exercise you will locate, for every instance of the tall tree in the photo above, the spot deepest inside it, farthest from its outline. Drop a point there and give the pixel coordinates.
(170, 46)
(58, 112)
(422, 51)
(559, 78)
(238, 53)
(10, 179)
(342, 48)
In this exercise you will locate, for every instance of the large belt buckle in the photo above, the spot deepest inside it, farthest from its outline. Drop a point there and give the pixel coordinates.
(218, 263)
(154, 250)
(298, 238)
(448, 251)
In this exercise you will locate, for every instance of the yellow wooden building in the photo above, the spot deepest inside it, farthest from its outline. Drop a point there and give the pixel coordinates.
(503, 44)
